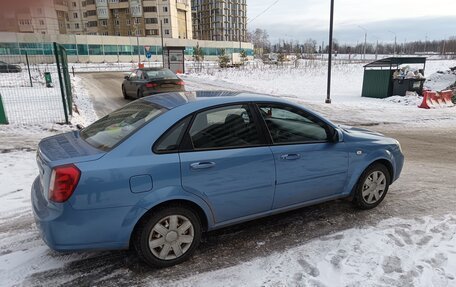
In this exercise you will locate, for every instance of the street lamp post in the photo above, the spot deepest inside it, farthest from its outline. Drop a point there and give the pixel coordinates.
(137, 39)
(365, 41)
(330, 48)
(395, 41)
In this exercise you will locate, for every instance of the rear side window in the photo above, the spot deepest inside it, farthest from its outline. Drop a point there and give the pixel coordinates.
(226, 127)
(170, 141)
(107, 132)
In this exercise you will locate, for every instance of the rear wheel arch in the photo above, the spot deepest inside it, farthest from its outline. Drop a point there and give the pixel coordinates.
(187, 204)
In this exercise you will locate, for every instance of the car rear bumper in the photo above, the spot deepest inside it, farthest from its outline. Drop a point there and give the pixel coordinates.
(63, 228)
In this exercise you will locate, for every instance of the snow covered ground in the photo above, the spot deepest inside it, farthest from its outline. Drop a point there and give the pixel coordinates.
(395, 252)
(307, 85)
(414, 246)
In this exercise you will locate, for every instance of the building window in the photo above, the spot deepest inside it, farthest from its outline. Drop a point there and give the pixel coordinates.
(118, 33)
(43, 32)
(166, 20)
(74, 4)
(104, 33)
(150, 9)
(152, 32)
(117, 22)
(76, 25)
(137, 20)
(166, 32)
(165, 9)
(42, 22)
(40, 11)
(151, 21)
(104, 23)
(128, 22)
(91, 13)
(75, 15)
(25, 22)
(129, 33)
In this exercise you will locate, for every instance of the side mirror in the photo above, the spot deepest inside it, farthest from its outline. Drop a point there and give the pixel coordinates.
(79, 126)
(127, 77)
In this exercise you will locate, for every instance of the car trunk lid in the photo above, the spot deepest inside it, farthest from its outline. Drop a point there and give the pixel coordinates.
(60, 150)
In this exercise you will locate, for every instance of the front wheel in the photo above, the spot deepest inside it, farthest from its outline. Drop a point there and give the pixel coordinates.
(168, 237)
(372, 186)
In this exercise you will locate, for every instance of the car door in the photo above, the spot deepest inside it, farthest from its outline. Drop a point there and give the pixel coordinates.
(138, 82)
(228, 163)
(309, 165)
(129, 84)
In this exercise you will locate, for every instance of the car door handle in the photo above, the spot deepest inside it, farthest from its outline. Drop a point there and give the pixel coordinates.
(202, 165)
(292, 156)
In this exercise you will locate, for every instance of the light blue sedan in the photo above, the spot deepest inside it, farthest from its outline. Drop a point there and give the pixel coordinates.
(158, 172)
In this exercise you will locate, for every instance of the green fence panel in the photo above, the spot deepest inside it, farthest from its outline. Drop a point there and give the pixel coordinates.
(3, 118)
(59, 59)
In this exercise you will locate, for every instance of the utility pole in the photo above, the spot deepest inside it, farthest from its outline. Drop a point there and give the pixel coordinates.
(425, 44)
(395, 41)
(162, 42)
(137, 39)
(365, 41)
(376, 51)
(331, 24)
(161, 35)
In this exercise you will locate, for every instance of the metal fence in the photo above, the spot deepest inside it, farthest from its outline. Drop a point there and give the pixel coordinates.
(33, 91)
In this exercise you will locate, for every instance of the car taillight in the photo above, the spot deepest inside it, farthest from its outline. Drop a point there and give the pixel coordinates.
(151, 85)
(181, 83)
(64, 180)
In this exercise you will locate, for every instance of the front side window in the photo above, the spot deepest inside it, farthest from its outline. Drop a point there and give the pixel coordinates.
(225, 127)
(107, 132)
(289, 125)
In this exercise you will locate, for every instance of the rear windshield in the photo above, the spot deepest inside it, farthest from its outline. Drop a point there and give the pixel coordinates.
(161, 75)
(107, 132)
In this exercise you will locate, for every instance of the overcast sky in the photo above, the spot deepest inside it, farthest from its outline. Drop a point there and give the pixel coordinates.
(302, 19)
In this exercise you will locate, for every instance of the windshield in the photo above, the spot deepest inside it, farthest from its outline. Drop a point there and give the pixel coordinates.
(112, 129)
(161, 75)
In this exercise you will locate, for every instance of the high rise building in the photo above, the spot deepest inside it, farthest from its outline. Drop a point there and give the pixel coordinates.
(219, 20)
(101, 17)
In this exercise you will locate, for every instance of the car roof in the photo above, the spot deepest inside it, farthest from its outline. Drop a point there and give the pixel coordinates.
(153, 69)
(173, 100)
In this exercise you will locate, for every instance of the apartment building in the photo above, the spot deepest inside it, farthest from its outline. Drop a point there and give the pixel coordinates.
(101, 17)
(43, 17)
(219, 20)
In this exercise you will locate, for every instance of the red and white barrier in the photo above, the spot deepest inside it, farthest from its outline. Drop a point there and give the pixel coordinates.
(432, 99)
(446, 97)
(427, 103)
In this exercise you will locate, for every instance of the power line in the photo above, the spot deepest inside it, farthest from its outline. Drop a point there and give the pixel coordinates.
(264, 11)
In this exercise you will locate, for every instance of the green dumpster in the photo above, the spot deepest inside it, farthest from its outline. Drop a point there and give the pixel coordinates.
(48, 79)
(378, 79)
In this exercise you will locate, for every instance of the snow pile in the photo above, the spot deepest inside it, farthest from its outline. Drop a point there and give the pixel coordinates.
(396, 252)
(441, 80)
(83, 110)
(411, 99)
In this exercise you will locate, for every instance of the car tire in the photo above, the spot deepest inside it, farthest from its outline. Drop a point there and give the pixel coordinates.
(168, 236)
(124, 93)
(372, 186)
